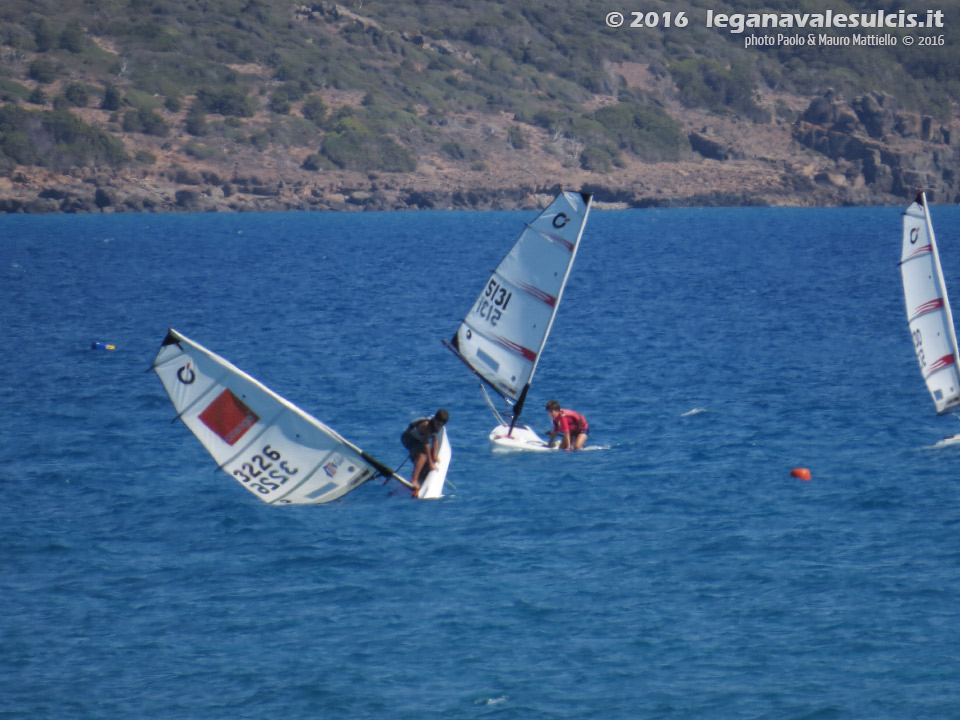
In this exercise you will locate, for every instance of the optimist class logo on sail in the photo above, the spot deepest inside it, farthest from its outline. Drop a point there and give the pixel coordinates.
(186, 375)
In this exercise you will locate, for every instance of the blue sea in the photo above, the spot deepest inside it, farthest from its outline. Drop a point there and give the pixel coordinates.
(681, 572)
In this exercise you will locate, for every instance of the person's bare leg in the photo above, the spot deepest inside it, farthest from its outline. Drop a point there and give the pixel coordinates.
(418, 465)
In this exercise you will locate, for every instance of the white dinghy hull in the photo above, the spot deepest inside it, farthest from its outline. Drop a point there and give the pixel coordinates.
(432, 486)
(523, 438)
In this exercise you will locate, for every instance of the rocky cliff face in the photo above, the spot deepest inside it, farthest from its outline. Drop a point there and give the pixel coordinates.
(883, 149)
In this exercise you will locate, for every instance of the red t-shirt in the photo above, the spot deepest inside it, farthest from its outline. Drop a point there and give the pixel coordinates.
(571, 422)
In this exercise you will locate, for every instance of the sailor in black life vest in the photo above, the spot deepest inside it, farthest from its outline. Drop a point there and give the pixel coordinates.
(420, 440)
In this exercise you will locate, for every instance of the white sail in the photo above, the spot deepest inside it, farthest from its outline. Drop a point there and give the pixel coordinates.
(269, 445)
(928, 308)
(503, 335)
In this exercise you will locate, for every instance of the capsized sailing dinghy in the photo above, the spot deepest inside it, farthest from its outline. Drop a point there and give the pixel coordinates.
(928, 308)
(270, 446)
(432, 485)
(502, 337)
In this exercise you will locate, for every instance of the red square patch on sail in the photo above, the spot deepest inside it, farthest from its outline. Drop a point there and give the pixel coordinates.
(229, 417)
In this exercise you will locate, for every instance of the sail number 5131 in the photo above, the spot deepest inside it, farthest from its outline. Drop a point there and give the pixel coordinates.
(494, 301)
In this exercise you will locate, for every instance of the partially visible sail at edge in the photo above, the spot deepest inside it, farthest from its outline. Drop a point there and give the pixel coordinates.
(928, 308)
(503, 335)
(267, 444)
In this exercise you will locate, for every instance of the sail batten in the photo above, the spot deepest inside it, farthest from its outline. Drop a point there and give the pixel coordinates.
(929, 315)
(927, 307)
(271, 447)
(503, 335)
(942, 364)
(918, 253)
(517, 285)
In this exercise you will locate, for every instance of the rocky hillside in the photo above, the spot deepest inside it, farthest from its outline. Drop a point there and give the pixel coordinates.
(636, 134)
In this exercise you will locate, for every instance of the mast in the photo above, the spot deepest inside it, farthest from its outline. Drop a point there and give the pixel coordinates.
(922, 200)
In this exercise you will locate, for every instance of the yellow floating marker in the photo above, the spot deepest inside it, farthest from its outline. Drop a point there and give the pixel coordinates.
(802, 473)
(102, 346)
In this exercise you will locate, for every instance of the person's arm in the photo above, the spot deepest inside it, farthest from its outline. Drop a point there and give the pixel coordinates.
(562, 428)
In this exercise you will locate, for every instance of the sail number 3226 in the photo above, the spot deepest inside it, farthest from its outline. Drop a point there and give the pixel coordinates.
(918, 346)
(494, 301)
(265, 472)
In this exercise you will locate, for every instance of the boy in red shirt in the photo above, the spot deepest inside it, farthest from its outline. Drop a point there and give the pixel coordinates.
(572, 426)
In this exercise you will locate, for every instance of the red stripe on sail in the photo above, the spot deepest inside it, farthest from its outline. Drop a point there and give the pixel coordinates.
(944, 362)
(927, 307)
(537, 293)
(516, 349)
(920, 251)
(557, 239)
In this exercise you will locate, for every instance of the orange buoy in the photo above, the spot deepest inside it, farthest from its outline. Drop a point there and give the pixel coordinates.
(801, 473)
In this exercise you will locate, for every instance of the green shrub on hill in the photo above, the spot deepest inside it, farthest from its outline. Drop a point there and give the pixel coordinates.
(111, 98)
(203, 152)
(228, 101)
(599, 158)
(72, 38)
(146, 122)
(355, 147)
(195, 123)
(56, 139)
(11, 91)
(154, 35)
(315, 162)
(140, 100)
(77, 94)
(461, 151)
(516, 139)
(717, 87)
(314, 110)
(285, 132)
(43, 70)
(45, 36)
(643, 129)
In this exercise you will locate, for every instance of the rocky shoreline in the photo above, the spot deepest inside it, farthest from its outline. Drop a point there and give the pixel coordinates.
(836, 153)
(30, 191)
(103, 193)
